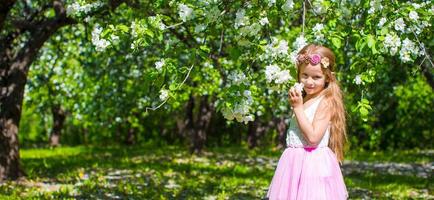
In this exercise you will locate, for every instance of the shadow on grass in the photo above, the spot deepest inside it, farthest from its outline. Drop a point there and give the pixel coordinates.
(148, 172)
(151, 172)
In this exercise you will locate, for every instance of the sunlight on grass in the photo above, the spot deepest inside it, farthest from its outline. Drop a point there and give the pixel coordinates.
(172, 173)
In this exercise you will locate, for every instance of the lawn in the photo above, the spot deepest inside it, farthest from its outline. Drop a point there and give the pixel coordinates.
(170, 172)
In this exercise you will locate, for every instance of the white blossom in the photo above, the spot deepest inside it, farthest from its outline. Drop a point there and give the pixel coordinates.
(162, 26)
(392, 42)
(248, 118)
(241, 19)
(282, 77)
(415, 5)
(277, 48)
(318, 27)
(282, 47)
(288, 5)
(299, 43)
(99, 43)
(399, 25)
(408, 48)
(413, 15)
(299, 86)
(270, 72)
(164, 94)
(237, 77)
(274, 73)
(358, 79)
(382, 21)
(271, 2)
(293, 57)
(317, 32)
(375, 5)
(171, 184)
(263, 21)
(133, 27)
(159, 65)
(185, 12)
(76, 8)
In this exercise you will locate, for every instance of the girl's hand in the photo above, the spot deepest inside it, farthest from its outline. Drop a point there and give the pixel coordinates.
(295, 98)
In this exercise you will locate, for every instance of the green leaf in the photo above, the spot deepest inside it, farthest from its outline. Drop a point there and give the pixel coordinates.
(172, 87)
(205, 48)
(149, 33)
(371, 40)
(123, 28)
(363, 111)
(336, 42)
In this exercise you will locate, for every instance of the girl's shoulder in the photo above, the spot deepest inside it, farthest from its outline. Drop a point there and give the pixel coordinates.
(324, 106)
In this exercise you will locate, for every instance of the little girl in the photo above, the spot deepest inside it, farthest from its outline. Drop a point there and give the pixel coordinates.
(309, 167)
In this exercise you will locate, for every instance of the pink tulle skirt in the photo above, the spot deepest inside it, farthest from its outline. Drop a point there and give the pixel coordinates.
(307, 173)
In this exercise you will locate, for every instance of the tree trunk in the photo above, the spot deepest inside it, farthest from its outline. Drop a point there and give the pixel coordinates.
(198, 123)
(281, 127)
(59, 116)
(131, 136)
(13, 77)
(252, 133)
(12, 91)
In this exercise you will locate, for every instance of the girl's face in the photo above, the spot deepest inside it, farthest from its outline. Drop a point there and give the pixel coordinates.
(313, 79)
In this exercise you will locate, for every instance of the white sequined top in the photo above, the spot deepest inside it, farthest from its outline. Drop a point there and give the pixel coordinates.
(294, 137)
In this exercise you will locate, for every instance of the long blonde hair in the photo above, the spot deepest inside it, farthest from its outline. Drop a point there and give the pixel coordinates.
(333, 95)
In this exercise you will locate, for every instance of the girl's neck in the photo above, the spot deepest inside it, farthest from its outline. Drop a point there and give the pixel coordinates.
(313, 96)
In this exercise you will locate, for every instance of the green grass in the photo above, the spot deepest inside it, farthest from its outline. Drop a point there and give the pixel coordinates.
(170, 172)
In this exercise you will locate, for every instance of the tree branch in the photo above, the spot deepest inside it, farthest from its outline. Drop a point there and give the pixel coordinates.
(5, 7)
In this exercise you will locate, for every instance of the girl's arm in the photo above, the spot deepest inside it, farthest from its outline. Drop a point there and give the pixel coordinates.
(313, 132)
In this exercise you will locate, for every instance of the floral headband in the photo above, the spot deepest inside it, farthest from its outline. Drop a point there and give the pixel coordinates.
(313, 59)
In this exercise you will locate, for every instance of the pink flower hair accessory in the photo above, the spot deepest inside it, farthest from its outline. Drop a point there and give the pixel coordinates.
(313, 59)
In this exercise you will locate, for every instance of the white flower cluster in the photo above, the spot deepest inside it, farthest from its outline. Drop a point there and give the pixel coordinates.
(241, 19)
(392, 42)
(375, 5)
(185, 12)
(319, 37)
(358, 79)
(251, 30)
(274, 73)
(156, 22)
(399, 25)
(382, 21)
(240, 112)
(298, 44)
(159, 65)
(298, 86)
(319, 7)
(99, 43)
(76, 8)
(264, 21)
(237, 77)
(134, 27)
(288, 5)
(413, 15)
(271, 2)
(164, 94)
(408, 48)
(276, 49)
